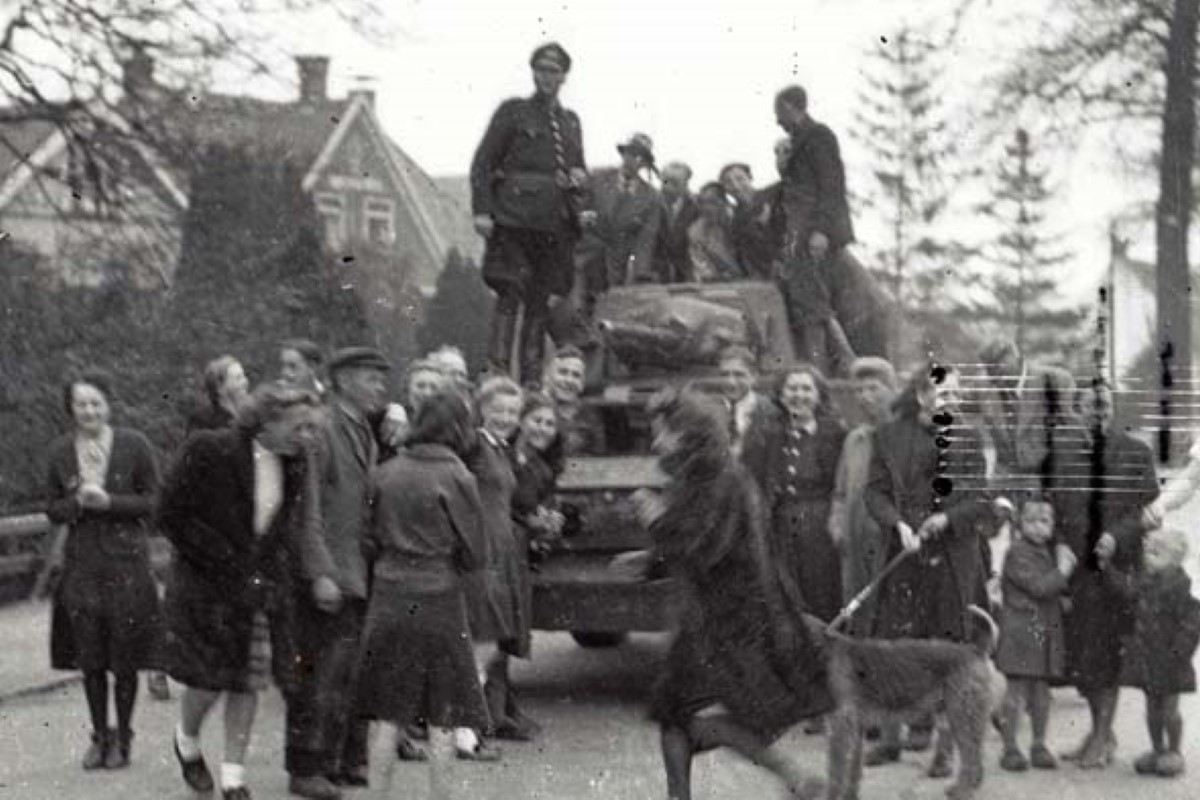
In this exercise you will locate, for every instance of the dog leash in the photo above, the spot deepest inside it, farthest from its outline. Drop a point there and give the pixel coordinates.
(857, 601)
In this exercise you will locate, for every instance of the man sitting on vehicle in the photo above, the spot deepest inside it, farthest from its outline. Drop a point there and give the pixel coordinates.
(581, 426)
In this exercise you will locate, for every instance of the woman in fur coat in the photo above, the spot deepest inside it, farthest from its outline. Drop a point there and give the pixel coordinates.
(743, 667)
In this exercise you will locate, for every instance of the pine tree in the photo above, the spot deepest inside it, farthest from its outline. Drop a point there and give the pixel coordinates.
(459, 311)
(903, 126)
(1024, 257)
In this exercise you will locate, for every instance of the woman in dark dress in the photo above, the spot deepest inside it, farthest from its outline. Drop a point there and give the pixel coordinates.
(101, 485)
(793, 454)
(225, 390)
(743, 666)
(1104, 479)
(241, 507)
(927, 492)
(428, 530)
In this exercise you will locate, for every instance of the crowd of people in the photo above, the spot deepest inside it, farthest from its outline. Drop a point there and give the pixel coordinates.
(372, 558)
(559, 236)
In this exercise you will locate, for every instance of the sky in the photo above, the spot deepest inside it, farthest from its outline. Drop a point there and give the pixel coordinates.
(698, 76)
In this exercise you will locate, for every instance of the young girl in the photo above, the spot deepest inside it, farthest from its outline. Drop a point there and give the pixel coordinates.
(493, 601)
(1032, 651)
(1158, 657)
(416, 660)
(537, 462)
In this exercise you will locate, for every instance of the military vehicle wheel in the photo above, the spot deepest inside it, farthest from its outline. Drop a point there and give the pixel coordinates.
(597, 639)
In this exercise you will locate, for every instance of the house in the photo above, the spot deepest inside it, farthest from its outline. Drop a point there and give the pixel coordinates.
(369, 193)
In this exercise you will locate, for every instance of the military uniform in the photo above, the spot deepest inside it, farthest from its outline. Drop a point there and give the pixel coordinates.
(520, 178)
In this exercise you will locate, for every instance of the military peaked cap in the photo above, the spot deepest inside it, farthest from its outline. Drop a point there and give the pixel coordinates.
(358, 357)
(554, 53)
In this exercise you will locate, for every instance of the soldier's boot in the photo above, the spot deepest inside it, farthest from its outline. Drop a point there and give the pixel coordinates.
(533, 345)
(500, 338)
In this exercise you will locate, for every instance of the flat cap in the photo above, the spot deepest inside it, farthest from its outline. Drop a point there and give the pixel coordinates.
(554, 53)
(358, 357)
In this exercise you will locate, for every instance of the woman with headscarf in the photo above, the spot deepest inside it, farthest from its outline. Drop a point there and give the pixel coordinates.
(101, 485)
(743, 666)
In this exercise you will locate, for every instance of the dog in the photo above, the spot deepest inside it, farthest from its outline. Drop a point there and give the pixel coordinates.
(875, 682)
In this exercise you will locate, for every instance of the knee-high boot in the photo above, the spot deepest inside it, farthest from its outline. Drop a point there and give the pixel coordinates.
(533, 343)
(500, 339)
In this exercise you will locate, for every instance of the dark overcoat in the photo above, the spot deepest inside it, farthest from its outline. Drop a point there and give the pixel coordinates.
(814, 187)
(619, 248)
(106, 580)
(1098, 484)
(1031, 623)
(927, 596)
(348, 453)
(494, 593)
(223, 574)
(1158, 655)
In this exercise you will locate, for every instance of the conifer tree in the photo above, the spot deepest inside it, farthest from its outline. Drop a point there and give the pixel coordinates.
(1024, 257)
(459, 311)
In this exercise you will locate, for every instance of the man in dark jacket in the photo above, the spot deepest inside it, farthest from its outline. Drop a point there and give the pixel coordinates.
(325, 741)
(619, 248)
(672, 259)
(526, 179)
(823, 282)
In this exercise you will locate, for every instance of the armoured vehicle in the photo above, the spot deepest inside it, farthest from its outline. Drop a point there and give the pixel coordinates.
(653, 336)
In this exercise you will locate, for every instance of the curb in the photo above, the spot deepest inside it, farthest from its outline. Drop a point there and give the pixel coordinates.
(39, 689)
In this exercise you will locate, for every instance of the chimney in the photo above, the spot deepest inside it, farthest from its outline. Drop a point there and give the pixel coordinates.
(137, 72)
(365, 88)
(314, 78)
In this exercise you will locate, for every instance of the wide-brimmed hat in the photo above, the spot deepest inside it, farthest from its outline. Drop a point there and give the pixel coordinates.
(641, 144)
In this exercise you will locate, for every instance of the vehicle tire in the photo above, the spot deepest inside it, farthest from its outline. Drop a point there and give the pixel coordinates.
(598, 639)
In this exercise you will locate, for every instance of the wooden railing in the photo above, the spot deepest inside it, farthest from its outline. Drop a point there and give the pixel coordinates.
(23, 543)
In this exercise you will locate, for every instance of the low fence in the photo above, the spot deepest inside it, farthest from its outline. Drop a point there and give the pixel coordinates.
(24, 540)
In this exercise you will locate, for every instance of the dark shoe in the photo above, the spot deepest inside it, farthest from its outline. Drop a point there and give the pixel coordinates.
(97, 751)
(881, 754)
(157, 686)
(514, 731)
(1170, 765)
(1041, 757)
(1146, 763)
(419, 733)
(1097, 755)
(482, 752)
(314, 787)
(524, 721)
(918, 740)
(408, 750)
(117, 754)
(354, 777)
(195, 773)
(814, 726)
(1013, 761)
(236, 793)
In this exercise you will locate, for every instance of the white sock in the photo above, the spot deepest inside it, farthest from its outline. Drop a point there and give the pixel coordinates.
(465, 739)
(189, 746)
(232, 776)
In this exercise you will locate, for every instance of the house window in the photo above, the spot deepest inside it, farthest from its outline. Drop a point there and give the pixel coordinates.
(379, 225)
(332, 210)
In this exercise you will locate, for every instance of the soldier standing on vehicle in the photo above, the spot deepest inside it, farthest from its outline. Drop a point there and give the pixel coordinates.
(526, 181)
(832, 299)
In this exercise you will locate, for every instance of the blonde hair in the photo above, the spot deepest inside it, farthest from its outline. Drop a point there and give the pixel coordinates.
(500, 385)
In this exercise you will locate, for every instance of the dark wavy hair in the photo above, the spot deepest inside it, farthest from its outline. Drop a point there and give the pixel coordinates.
(270, 401)
(824, 409)
(554, 454)
(445, 419)
(923, 378)
(704, 434)
(98, 378)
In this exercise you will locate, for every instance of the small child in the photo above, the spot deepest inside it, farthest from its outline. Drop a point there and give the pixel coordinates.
(1032, 651)
(1158, 659)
